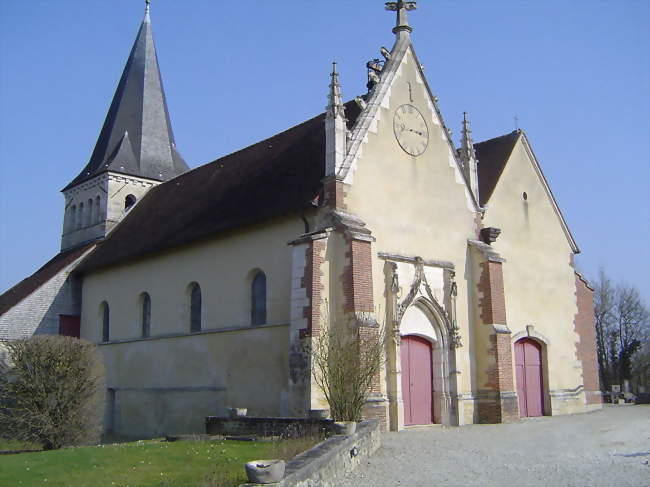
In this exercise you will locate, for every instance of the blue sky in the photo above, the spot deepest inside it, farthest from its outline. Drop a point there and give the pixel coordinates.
(576, 74)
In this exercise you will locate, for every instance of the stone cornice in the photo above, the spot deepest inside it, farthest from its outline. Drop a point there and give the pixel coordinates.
(489, 252)
(412, 259)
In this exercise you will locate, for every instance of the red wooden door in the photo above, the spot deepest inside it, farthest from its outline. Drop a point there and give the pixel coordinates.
(417, 383)
(528, 364)
(69, 325)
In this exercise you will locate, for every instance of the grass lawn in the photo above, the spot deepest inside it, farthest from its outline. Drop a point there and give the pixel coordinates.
(140, 463)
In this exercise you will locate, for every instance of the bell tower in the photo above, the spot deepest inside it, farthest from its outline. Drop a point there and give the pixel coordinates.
(134, 152)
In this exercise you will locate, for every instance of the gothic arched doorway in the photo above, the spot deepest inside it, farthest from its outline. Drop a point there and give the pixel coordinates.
(530, 383)
(424, 363)
(417, 380)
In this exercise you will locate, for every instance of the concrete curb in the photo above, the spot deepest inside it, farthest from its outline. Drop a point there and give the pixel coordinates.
(328, 462)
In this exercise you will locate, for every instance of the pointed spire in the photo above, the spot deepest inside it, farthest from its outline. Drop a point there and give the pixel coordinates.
(468, 156)
(401, 7)
(335, 107)
(147, 18)
(466, 143)
(336, 130)
(139, 109)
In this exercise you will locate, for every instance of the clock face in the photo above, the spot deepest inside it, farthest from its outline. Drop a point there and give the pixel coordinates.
(410, 130)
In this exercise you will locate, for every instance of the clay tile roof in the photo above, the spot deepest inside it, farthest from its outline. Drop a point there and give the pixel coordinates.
(275, 177)
(27, 286)
(492, 156)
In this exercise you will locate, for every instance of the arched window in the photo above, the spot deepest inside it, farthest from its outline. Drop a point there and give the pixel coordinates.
(97, 210)
(105, 321)
(129, 201)
(80, 216)
(89, 216)
(195, 307)
(73, 217)
(146, 314)
(258, 299)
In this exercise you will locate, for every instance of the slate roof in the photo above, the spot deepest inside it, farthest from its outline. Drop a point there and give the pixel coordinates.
(492, 156)
(27, 286)
(137, 137)
(274, 177)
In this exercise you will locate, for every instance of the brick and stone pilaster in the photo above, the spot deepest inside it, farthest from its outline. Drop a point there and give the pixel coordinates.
(358, 302)
(586, 346)
(334, 193)
(496, 397)
(307, 302)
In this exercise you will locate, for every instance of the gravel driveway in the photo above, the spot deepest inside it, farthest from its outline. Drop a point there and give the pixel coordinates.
(610, 447)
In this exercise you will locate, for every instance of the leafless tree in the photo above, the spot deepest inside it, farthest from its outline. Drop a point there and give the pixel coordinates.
(604, 294)
(51, 391)
(345, 361)
(622, 329)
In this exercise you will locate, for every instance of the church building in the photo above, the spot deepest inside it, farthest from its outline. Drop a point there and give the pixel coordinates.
(204, 287)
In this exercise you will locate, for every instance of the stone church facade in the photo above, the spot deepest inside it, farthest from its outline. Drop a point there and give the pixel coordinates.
(202, 287)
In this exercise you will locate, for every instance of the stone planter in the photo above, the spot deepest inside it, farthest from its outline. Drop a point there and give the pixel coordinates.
(319, 413)
(265, 471)
(345, 427)
(237, 412)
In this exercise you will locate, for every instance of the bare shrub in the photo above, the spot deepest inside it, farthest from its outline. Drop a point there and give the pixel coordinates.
(345, 360)
(51, 392)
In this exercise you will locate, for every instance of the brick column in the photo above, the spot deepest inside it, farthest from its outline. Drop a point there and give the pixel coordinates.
(586, 347)
(358, 301)
(496, 400)
(334, 193)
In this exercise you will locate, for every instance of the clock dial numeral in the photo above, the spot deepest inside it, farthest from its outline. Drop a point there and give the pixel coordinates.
(410, 130)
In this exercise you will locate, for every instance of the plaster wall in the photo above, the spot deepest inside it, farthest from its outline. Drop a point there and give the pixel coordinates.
(169, 382)
(223, 268)
(414, 206)
(181, 380)
(539, 282)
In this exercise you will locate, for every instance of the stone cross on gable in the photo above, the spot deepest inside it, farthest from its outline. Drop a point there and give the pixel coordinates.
(401, 7)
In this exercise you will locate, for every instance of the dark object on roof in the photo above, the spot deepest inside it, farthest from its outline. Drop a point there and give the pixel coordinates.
(137, 137)
(27, 286)
(274, 177)
(492, 156)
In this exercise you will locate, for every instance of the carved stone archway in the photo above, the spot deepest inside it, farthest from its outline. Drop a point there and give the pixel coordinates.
(442, 319)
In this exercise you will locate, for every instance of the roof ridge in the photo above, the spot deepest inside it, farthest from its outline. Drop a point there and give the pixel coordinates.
(509, 134)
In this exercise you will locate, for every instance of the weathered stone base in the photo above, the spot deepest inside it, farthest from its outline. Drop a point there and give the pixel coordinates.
(567, 402)
(594, 398)
(376, 408)
(500, 408)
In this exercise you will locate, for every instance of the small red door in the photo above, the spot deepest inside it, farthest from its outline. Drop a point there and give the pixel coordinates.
(528, 364)
(417, 383)
(69, 325)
